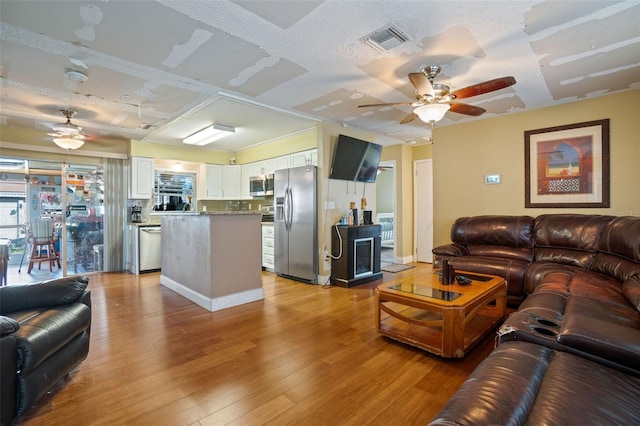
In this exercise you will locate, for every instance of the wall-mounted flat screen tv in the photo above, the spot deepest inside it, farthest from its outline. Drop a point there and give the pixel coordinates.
(355, 159)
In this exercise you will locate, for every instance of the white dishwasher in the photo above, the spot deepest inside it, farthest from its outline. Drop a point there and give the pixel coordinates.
(149, 248)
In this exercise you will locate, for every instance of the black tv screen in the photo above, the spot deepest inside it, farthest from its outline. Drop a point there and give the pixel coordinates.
(355, 159)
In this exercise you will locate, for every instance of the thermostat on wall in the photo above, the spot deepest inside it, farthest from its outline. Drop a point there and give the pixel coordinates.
(491, 179)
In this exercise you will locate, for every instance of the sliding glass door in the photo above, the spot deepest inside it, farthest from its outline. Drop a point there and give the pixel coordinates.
(84, 217)
(71, 196)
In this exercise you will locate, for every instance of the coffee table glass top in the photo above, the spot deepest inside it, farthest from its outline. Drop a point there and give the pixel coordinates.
(419, 290)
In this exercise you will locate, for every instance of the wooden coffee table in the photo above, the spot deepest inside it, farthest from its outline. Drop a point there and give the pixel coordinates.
(446, 320)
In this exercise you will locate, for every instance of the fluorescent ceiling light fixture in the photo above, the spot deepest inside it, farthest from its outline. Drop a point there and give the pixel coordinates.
(431, 113)
(209, 134)
(68, 143)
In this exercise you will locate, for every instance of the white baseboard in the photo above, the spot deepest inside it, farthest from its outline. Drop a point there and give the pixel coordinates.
(213, 304)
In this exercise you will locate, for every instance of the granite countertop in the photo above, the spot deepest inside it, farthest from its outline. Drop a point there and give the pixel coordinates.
(213, 213)
(228, 212)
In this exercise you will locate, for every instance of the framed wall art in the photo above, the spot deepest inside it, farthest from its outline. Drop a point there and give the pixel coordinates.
(567, 166)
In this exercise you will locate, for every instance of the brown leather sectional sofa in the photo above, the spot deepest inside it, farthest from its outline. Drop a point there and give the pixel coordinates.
(44, 335)
(571, 351)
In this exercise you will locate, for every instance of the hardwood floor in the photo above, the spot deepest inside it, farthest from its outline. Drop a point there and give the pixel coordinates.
(304, 355)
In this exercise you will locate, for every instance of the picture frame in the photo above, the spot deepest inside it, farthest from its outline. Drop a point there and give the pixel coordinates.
(568, 166)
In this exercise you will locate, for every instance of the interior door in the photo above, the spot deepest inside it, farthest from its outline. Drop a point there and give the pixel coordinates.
(423, 202)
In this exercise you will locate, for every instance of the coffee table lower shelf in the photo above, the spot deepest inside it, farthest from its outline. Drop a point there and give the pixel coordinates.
(424, 330)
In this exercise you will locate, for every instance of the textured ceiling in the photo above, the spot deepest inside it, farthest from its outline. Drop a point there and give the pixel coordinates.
(161, 70)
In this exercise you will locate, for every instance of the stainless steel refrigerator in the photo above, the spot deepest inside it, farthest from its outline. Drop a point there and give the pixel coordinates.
(295, 223)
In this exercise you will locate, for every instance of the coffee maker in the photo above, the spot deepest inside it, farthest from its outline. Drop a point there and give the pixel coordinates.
(136, 214)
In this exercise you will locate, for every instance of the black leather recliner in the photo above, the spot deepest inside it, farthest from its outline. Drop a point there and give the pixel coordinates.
(44, 335)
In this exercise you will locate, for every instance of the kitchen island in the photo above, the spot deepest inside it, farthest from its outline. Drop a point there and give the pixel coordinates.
(213, 258)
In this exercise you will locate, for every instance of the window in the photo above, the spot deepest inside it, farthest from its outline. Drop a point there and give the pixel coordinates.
(174, 191)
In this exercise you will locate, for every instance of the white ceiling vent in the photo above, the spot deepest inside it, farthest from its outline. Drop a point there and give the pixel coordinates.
(386, 38)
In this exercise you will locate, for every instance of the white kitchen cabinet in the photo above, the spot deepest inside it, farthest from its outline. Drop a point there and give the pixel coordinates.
(218, 182)
(304, 158)
(210, 182)
(280, 163)
(262, 167)
(246, 173)
(141, 178)
(231, 182)
(268, 247)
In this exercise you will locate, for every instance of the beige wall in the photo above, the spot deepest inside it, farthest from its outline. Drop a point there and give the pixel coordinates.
(283, 146)
(338, 191)
(463, 154)
(178, 153)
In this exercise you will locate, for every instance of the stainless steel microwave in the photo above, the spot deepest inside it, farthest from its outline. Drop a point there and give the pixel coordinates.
(262, 185)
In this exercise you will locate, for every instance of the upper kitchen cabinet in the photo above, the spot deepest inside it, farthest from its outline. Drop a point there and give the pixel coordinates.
(231, 182)
(304, 158)
(217, 182)
(210, 182)
(246, 173)
(141, 178)
(281, 163)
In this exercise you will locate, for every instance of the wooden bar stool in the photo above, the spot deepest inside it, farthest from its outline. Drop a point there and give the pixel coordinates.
(43, 244)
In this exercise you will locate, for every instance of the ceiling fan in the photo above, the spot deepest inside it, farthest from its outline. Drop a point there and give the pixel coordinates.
(68, 135)
(433, 100)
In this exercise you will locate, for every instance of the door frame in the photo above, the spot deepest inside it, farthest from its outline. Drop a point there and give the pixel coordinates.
(392, 164)
(418, 189)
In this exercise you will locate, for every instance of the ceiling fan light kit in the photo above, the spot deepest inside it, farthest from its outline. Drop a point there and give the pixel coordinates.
(431, 113)
(433, 100)
(209, 134)
(68, 143)
(68, 135)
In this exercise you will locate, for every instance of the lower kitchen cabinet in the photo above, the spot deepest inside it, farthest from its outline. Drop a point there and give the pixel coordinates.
(267, 247)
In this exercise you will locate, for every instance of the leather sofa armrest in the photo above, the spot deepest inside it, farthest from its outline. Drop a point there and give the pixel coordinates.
(46, 294)
(614, 342)
(8, 387)
(452, 249)
(8, 325)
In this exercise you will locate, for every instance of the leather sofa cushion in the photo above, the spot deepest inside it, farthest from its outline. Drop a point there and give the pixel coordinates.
(504, 252)
(563, 256)
(501, 390)
(631, 289)
(613, 342)
(569, 231)
(615, 313)
(578, 391)
(524, 383)
(512, 270)
(507, 231)
(42, 295)
(542, 304)
(621, 237)
(615, 266)
(44, 331)
(8, 325)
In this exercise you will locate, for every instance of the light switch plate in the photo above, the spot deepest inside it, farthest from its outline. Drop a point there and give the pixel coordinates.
(491, 179)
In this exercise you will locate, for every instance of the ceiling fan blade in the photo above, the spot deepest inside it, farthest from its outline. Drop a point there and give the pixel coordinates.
(486, 87)
(467, 109)
(385, 104)
(409, 118)
(421, 83)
